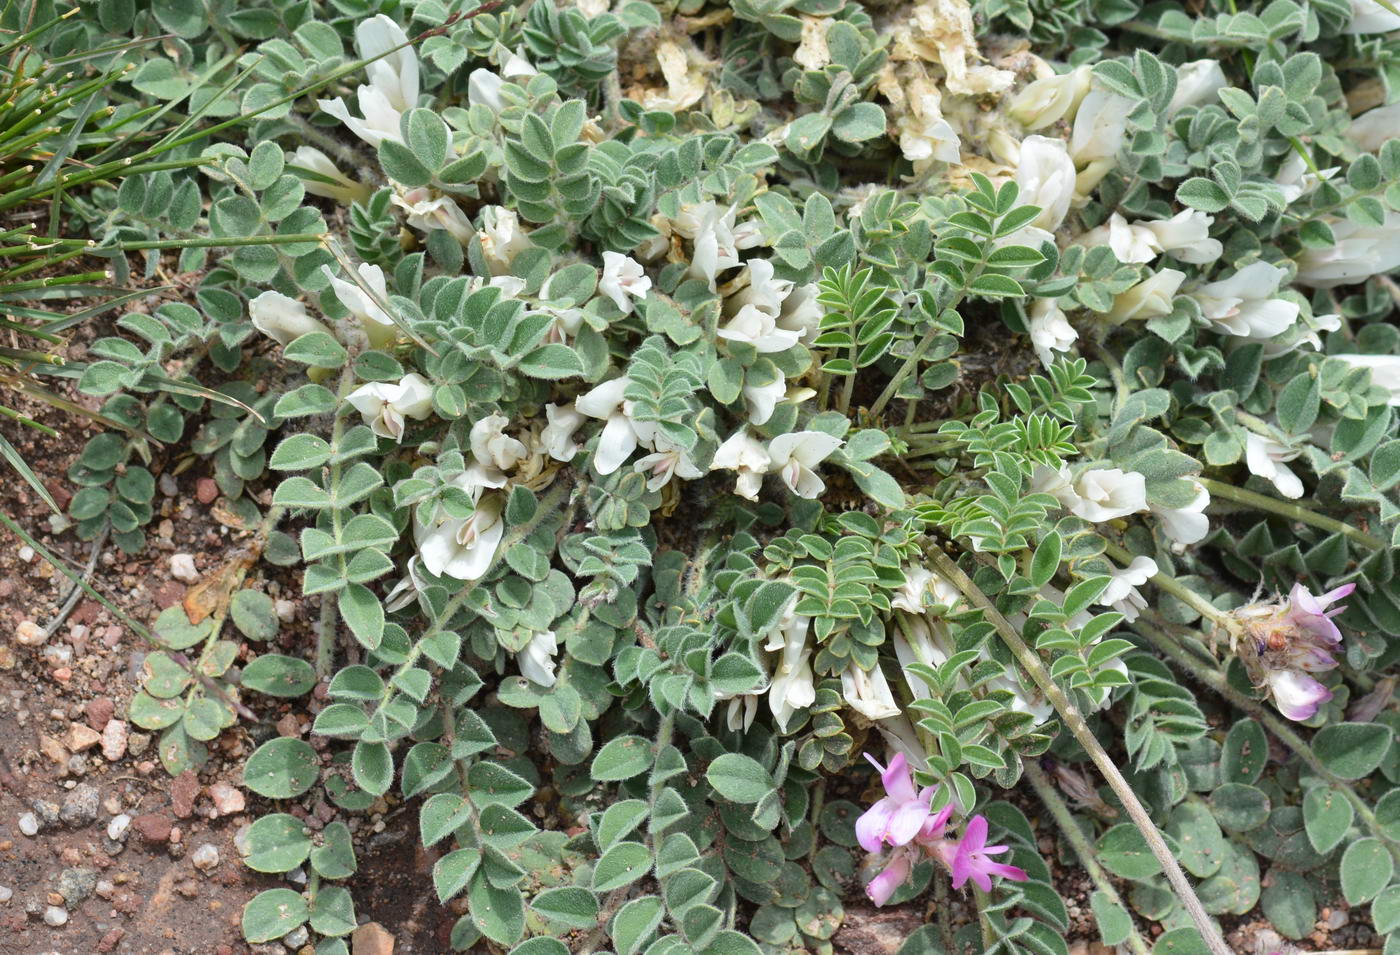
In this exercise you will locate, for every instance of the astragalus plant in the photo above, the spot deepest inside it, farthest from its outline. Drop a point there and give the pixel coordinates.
(705, 402)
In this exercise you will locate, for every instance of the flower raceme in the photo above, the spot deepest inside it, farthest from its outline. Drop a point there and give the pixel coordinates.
(904, 821)
(1288, 640)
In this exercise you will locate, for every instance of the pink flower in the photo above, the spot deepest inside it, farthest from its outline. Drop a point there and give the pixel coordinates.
(900, 816)
(969, 859)
(1289, 640)
(1310, 614)
(890, 878)
(1296, 694)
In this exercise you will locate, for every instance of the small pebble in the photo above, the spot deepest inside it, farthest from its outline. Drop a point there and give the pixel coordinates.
(29, 824)
(117, 828)
(6, 893)
(168, 485)
(206, 490)
(114, 737)
(296, 938)
(55, 916)
(30, 634)
(80, 806)
(182, 568)
(76, 884)
(26, 553)
(227, 799)
(205, 858)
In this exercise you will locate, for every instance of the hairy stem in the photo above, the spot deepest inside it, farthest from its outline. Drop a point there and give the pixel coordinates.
(1294, 512)
(327, 627)
(1074, 720)
(1080, 844)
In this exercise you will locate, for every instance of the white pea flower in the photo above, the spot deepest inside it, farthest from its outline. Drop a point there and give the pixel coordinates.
(1197, 84)
(1100, 127)
(1133, 243)
(1050, 330)
(1189, 524)
(393, 83)
(793, 686)
(1051, 99)
(1150, 298)
(281, 318)
(745, 455)
(924, 134)
(1368, 16)
(623, 279)
(1244, 304)
(1122, 591)
(385, 407)
(537, 661)
(1186, 236)
(484, 86)
(502, 238)
(377, 324)
(868, 692)
(794, 457)
(1108, 493)
(740, 711)
(1025, 698)
(667, 461)
(1268, 459)
(621, 434)
(763, 291)
(712, 234)
(1385, 371)
(407, 590)
(748, 234)
(1294, 178)
(916, 642)
(1058, 483)
(1045, 177)
(1359, 253)
(802, 313)
(564, 324)
(924, 589)
(492, 448)
(760, 400)
(1307, 333)
(462, 548)
(427, 211)
(1370, 130)
(755, 327)
(557, 438)
(340, 187)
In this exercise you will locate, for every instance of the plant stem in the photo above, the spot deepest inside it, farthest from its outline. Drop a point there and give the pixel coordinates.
(1294, 512)
(1033, 665)
(989, 932)
(1080, 844)
(912, 362)
(327, 627)
(1193, 665)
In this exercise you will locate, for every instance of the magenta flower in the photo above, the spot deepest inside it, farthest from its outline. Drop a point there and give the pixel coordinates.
(970, 859)
(895, 874)
(900, 816)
